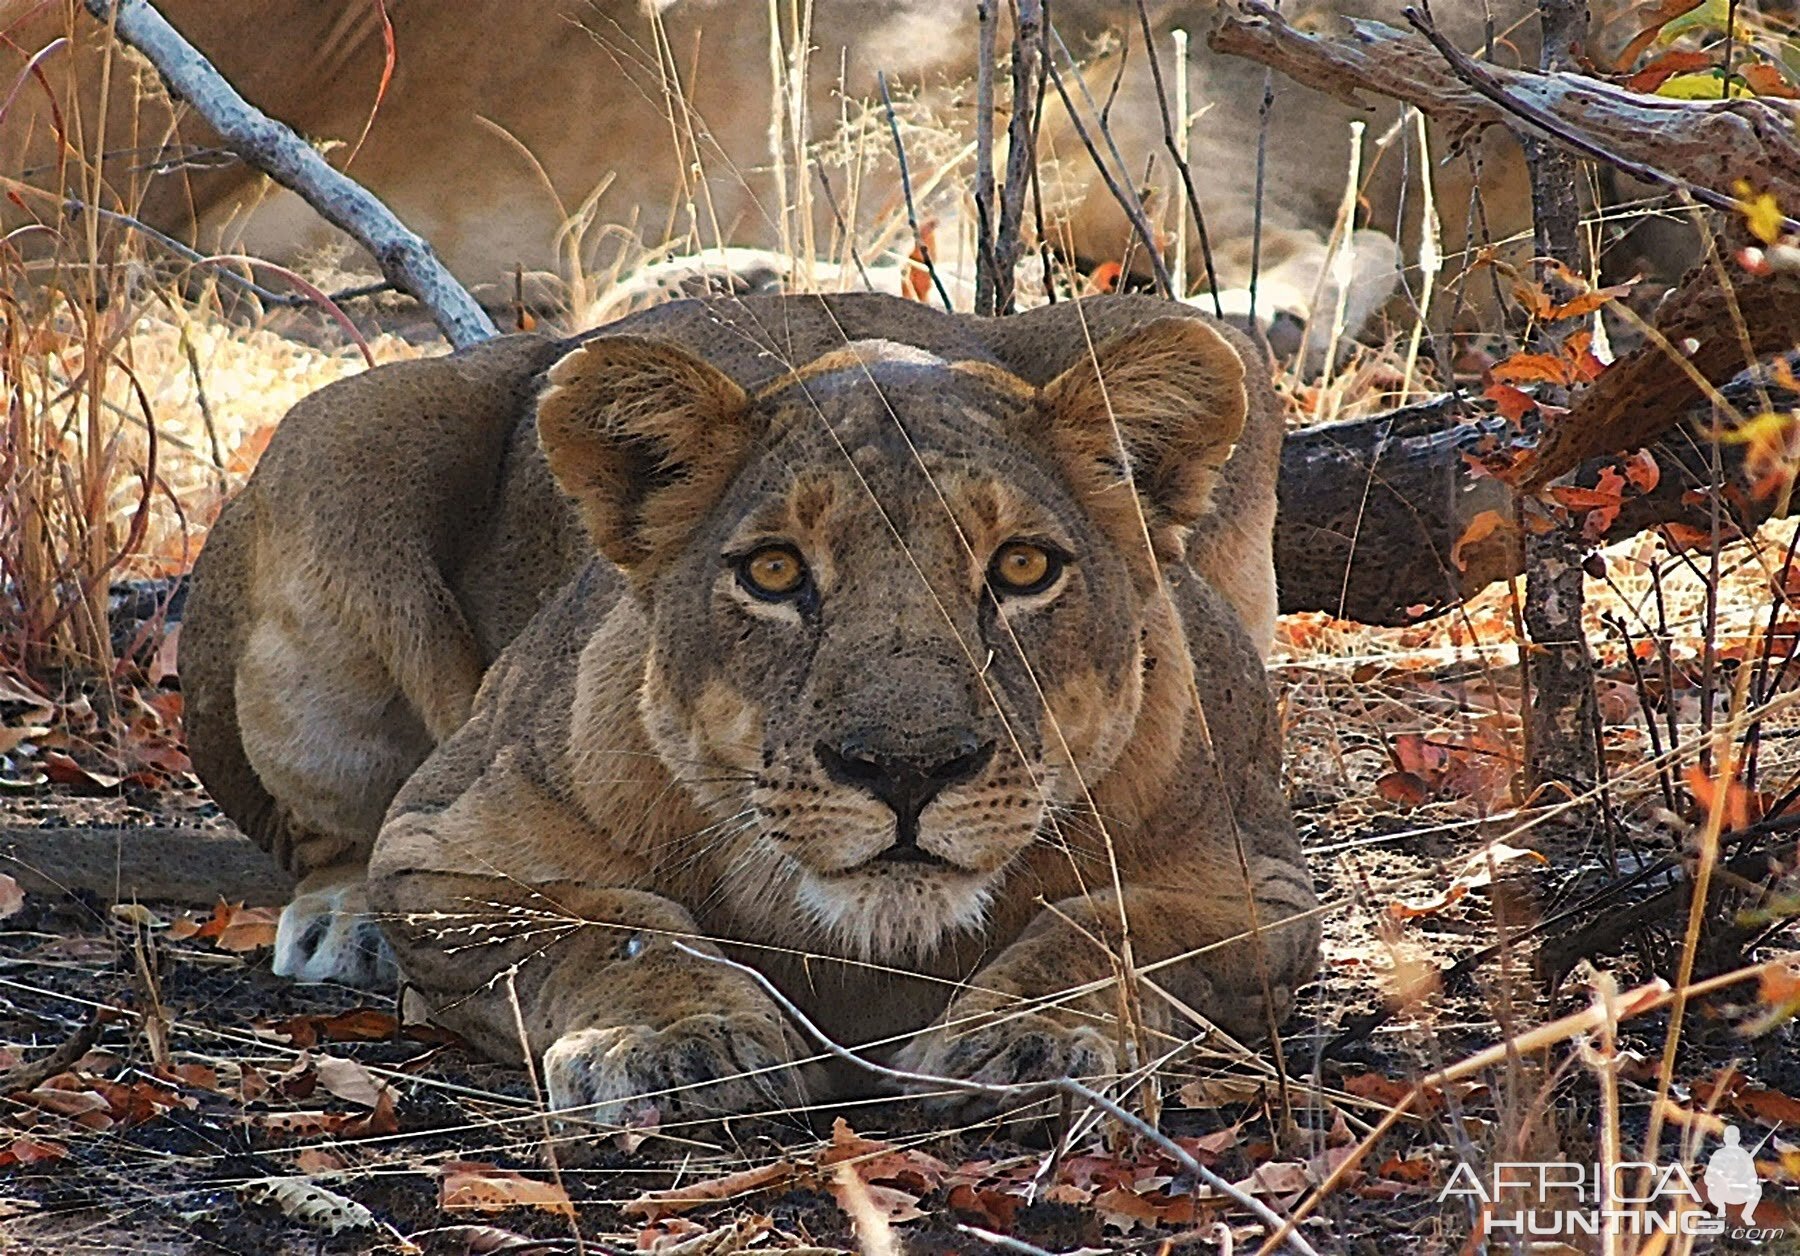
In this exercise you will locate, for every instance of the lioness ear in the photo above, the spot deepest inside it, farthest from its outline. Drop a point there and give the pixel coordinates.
(1160, 406)
(644, 436)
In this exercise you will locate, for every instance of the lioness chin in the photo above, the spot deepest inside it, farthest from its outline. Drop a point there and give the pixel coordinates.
(907, 665)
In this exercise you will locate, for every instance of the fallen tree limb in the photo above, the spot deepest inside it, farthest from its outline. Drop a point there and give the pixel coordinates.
(1648, 390)
(1372, 510)
(1707, 144)
(175, 864)
(1704, 148)
(405, 259)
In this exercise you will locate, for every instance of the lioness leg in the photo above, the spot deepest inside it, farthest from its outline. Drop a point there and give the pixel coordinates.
(335, 758)
(624, 1024)
(1009, 1027)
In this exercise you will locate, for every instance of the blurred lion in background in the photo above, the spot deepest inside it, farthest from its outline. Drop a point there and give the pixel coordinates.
(539, 145)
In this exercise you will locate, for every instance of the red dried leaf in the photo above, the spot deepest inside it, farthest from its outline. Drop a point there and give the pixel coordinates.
(1512, 403)
(26, 1150)
(1404, 789)
(1665, 67)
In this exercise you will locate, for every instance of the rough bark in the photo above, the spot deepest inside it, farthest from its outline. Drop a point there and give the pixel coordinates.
(183, 865)
(1646, 391)
(1562, 725)
(1372, 509)
(406, 260)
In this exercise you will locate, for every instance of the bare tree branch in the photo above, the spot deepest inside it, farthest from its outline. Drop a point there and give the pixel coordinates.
(405, 259)
(1029, 57)
(1704, 146)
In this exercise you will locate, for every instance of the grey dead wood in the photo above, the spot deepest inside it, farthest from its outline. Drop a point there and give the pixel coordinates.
(1701, 148)
(405, 259)
(181, 864)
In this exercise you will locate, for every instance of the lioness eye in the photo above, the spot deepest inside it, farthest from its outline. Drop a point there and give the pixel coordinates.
(772, 572)
(1019, 567)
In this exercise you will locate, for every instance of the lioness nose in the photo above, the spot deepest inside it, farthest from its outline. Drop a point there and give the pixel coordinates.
(906, 784)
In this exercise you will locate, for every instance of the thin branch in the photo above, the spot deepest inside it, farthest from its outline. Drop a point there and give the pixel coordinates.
(1181, 163)
(1127, 200)
(912, 213)
(404, 258)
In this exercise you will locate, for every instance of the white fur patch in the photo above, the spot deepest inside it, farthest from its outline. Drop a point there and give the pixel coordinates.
(326, 934)
(880, 918)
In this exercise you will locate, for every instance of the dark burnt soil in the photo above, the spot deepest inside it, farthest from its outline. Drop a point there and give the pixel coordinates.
(164, 1165)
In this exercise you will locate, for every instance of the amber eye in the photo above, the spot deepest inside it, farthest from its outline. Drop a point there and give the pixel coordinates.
(772, 572)
(1019, 567)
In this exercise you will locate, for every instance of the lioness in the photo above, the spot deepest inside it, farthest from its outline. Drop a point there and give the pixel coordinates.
(904, 660)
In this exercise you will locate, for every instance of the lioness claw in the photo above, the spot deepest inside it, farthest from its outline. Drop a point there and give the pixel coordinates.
(1014, 1051)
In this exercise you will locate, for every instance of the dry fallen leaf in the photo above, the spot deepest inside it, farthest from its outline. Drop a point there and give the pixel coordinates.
(12, 898)
(312, 1206)
(654, 1205)
(470, 1186)
(349, 1080)
(26, 1150)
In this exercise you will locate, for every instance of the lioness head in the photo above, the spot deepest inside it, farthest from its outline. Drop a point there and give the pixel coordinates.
(901, 608)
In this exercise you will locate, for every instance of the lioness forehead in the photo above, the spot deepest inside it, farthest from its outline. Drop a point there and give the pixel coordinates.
(893, 437)
(877, 370)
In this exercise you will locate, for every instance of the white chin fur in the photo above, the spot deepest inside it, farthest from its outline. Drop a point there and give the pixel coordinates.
(879, 917)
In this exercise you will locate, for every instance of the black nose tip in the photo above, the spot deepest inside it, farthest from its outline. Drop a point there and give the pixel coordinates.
(907, 784)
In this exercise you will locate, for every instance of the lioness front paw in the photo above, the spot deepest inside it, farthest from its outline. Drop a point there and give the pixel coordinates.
(697, 1070)
(1011, 1051)
(327, 934)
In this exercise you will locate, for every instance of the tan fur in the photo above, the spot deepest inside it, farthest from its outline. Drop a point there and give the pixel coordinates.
(641, 765)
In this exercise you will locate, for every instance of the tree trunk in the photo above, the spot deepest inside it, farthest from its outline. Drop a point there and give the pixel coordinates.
(1372, 509)
(1562, 725)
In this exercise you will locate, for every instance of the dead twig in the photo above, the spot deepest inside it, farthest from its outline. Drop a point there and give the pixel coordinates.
(1127, 199)
(34, 1074)
(912, 212)
(1181, 162)
(404, 258)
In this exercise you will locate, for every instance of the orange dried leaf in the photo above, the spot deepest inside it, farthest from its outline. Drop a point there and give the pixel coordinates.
(470, 1186)
(1512, 403)
(1736, 807)
(1480, 528)
(1642, 471)
(653, 1205)
(1532, 368)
